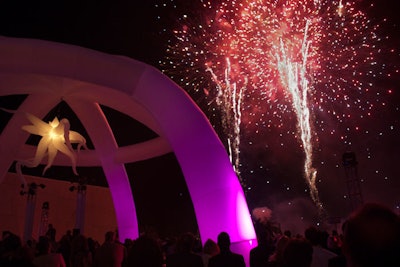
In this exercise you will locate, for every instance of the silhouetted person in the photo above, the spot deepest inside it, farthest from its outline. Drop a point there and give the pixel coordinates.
(81, 256)
(276, 259)
(64, 247)
(45, 258)
(340, 259)
(184, 255)
(321, 255)
(12, 253)
(372, 237)
(145, 252)
(226, 258)
(128, 243)
(259, 256)
(298, 252)
(110, 253)
(288, 233)
(51, 233)
(93, 245)
(210, 249)
(334, 242)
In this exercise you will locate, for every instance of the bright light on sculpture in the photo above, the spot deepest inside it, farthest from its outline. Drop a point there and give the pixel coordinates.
(56, 136)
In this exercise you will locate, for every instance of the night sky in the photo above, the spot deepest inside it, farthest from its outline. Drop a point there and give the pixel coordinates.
(271, 155)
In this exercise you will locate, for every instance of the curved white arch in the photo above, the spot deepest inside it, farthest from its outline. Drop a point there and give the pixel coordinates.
(84, 78)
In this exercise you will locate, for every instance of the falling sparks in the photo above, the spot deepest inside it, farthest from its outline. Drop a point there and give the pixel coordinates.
(229, 98)
(340, 8)
(293, 76)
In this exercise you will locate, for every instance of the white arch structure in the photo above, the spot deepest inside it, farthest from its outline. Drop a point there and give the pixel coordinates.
(48, 72)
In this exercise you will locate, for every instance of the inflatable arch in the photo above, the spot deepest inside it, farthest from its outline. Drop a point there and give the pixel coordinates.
(48, 72)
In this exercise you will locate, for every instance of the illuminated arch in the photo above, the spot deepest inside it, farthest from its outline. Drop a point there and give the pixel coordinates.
(84, 78)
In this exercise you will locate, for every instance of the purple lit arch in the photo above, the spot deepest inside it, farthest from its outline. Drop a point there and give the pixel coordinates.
(83, 78)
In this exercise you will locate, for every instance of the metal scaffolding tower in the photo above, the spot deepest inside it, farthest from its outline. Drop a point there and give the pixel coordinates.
(31, 193)
(352, 180)
(81, 188)
(44, 218)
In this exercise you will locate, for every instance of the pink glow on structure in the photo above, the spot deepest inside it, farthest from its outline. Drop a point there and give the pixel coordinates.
(245, 226)
(103, 139)
(81, 77)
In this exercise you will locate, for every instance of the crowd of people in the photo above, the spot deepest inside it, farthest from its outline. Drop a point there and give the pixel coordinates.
(370, 238)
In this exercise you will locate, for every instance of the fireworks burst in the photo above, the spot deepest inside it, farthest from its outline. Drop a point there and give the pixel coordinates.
(229, 98)
(312, 58)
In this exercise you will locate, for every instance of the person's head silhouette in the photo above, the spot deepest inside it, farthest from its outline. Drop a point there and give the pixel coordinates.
(224, 241)
(372, 237)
